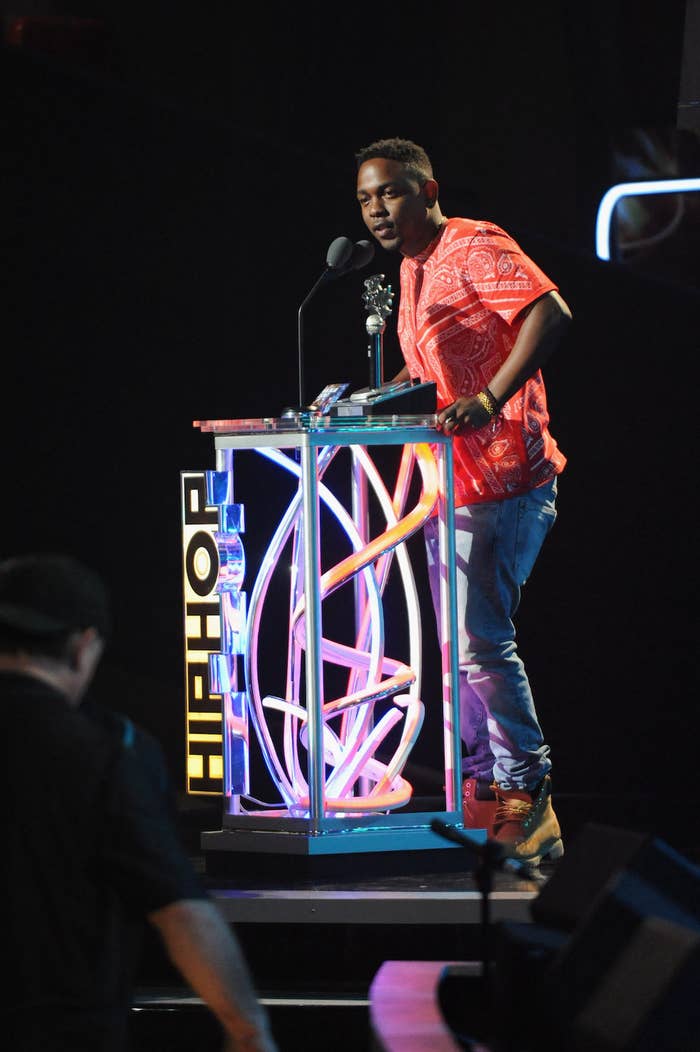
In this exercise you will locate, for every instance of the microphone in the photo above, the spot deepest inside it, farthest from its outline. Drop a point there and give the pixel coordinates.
(362, 254)
(342, 257)
(339, 255)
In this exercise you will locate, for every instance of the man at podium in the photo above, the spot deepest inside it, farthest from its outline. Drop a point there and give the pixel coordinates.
(479, 318)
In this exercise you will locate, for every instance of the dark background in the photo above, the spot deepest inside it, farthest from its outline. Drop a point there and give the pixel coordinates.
(172, 179)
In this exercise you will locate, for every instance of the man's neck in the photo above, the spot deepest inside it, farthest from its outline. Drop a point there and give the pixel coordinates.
(49, 672)
(434, 225)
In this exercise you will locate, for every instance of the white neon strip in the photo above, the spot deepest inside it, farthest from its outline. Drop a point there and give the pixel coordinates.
(342, 780)
(399, 790)
(612, 196)
(371, 585)
(393, 507)
(393, 536)
(356, 720)
(412, 726)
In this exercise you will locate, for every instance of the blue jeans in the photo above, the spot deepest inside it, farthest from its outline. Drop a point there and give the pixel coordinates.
(497, 543)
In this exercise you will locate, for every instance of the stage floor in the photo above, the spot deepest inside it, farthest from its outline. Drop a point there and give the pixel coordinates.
(429, 887)
(315, 941)
(319, 936)
(315, 946)
(423, 898)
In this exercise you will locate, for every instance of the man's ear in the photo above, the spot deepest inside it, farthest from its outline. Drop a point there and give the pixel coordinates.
(85, 650)
(430, 192)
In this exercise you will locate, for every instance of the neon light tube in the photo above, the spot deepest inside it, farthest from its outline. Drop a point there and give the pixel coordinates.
(612, 196)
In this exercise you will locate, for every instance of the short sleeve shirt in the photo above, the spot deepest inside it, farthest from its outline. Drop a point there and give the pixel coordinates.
(459, 316)
(91, 848)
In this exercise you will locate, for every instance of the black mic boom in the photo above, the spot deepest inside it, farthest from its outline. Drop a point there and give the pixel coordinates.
(342, 257)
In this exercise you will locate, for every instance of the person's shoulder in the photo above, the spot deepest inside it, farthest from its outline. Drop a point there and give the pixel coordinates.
(467, 239)
(109, 721)
(66, 733)
(460, 228)
(461, 234)
(121, 729)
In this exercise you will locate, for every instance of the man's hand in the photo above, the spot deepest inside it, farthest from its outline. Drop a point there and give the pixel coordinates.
(463, 414)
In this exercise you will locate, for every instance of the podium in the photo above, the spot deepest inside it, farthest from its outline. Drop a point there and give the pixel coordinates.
(336, 756)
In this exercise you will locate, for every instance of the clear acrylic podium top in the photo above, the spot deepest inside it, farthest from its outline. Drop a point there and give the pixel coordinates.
(319, 430)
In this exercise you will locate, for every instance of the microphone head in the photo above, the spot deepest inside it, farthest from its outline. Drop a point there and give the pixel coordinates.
(362, 254)
(339, 253)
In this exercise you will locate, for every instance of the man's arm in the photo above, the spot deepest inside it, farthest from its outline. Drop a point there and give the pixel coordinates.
(541, 332)
(206, 952)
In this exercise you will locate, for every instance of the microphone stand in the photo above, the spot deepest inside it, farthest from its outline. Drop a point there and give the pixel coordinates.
(341, 258)
(300, 337)
(488, 857)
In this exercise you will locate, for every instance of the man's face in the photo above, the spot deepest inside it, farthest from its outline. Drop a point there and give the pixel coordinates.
(394, 206)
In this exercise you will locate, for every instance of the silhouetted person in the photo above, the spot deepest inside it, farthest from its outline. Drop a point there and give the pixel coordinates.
(91, 852)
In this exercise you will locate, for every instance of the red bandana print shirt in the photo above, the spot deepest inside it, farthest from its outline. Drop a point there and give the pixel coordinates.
(458, 318)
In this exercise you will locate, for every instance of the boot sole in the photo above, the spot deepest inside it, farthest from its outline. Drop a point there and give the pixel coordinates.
(528, 868)
(552, 852)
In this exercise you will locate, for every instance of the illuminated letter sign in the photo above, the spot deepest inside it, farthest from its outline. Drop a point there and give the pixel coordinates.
(202, 635)
(215, 634)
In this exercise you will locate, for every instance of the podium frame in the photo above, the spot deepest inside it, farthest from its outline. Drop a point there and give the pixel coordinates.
(320, 833)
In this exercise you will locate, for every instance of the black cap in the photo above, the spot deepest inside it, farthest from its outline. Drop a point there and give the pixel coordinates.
(46, 594)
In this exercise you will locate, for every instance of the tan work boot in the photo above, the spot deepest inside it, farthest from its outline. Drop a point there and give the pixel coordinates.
(526, 825)
(479, 805)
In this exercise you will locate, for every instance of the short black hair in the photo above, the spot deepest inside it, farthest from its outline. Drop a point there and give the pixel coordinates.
(409, 153)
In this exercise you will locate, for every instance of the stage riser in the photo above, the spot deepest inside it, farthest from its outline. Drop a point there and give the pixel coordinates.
(326, 959)
(300, 1028)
